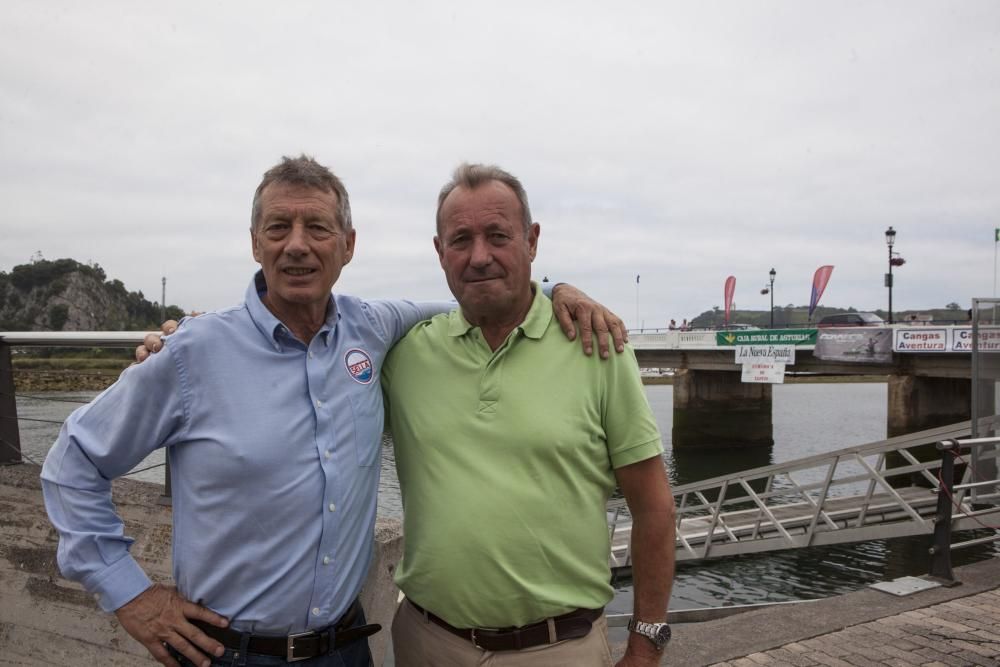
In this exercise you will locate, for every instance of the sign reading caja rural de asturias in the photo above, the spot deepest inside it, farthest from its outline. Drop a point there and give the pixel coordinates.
(766, 337)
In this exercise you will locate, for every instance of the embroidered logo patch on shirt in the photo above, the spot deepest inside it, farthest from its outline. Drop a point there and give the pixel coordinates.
(359, 365)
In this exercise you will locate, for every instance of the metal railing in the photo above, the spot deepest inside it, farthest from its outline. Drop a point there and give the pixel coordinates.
(879, 490)
(10, 441)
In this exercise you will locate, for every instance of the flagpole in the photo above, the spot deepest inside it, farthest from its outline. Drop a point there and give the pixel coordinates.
(996, 240)
(637, 301)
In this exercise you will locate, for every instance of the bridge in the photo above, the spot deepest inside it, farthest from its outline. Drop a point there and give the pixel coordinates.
(928, 370)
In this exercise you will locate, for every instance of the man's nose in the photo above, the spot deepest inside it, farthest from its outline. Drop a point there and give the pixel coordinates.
(482, 254)
(297, 240)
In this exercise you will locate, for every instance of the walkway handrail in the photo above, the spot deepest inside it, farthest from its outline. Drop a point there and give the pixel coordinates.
(947, 499)
(73, 338)
(877, 490)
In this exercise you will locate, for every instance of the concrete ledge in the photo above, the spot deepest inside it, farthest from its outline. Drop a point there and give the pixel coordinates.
(47, 620)
(698, 644)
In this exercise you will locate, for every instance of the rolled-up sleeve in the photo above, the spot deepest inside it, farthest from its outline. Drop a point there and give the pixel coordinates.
(103, 440)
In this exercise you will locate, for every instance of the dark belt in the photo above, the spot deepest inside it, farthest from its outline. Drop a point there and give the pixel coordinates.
(299, 646)
(572, 625)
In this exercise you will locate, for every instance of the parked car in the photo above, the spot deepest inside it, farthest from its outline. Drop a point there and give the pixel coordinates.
(852, 320)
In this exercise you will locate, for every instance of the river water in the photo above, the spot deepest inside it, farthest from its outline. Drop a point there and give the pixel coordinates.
(808, 419)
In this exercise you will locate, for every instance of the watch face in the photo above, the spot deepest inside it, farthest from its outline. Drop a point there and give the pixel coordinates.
(662, 634)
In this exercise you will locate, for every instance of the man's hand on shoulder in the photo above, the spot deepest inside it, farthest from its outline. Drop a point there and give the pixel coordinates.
(571, 304)
(159, 616)
(153, 343)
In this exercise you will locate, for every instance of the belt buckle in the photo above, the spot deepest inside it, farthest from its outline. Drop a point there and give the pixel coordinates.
(290, 653)
(474, 640)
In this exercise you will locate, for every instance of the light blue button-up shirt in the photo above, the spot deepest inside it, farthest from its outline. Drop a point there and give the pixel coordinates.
(274, 451)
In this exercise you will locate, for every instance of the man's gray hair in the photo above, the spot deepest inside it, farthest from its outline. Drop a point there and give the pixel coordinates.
(471, 176)
(305, 171)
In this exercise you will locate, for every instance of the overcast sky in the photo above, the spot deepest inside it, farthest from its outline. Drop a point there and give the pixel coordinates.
(682, 142)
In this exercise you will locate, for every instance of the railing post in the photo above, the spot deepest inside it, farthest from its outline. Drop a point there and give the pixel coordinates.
(167, 498)
(10, 448)
(941, 549)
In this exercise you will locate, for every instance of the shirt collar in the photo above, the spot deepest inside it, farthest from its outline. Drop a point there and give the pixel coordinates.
(270, 326)
(534, 325)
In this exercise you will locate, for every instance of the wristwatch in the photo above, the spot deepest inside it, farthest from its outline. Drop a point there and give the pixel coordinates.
(658, 633)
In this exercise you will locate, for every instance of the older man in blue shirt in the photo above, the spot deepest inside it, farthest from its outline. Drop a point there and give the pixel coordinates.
(271, 414)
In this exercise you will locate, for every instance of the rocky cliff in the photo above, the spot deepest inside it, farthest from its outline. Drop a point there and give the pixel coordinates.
(65, 295)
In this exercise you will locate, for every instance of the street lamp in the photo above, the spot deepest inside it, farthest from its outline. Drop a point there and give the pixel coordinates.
(890, 238)
(772, 273)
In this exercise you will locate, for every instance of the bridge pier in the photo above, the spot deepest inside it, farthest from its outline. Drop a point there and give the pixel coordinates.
(918, 403)
(716, 409)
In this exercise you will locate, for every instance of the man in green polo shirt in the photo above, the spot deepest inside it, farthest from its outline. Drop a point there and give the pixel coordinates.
(508, 445)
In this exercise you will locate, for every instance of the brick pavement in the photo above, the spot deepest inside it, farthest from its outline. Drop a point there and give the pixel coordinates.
(959, 633)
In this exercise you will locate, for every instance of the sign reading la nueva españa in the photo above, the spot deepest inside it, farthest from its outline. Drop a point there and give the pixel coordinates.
(784, 354)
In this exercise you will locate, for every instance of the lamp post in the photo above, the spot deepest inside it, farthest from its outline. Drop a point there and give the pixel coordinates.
(890, 239)
(772, 273)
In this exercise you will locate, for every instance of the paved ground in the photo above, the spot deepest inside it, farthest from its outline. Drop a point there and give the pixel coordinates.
(960, 632)
(940, 627)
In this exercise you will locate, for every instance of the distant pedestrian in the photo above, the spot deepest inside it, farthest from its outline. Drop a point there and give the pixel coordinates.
(673, 324)
(684, 325)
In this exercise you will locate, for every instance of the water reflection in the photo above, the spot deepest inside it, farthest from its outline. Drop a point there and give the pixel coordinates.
(692, 464)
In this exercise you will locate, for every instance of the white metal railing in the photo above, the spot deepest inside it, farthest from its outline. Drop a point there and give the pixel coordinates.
(850, 495)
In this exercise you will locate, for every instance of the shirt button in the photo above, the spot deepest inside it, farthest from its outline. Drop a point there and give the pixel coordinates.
(326, 560)
(327, 454)
(310, 354)
(315, 611)
(319, 403)
(332, 507)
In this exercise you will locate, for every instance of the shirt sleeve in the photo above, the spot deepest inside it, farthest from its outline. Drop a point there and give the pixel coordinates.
(142, 411)
(395, 317)
(630, 426)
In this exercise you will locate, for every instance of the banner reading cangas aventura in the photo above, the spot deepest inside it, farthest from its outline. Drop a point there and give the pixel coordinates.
(945, 339)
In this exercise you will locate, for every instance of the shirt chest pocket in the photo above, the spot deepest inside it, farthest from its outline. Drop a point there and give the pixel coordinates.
(366, 405)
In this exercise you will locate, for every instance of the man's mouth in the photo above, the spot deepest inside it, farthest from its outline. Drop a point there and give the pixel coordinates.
(297, 271)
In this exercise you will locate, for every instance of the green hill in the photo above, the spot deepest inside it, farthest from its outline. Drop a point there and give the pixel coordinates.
(65, 295)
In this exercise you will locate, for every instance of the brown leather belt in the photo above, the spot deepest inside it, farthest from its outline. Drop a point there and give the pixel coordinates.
(572, 625)
(299, 646)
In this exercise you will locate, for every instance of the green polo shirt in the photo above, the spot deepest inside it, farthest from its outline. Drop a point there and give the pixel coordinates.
(506, 460)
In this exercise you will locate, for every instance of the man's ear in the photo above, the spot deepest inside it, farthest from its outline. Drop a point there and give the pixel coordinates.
(439, 248)
(350, 240)
(253, 244)
(534, 231)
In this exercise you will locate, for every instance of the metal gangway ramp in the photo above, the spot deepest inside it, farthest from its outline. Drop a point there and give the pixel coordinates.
(879, 490)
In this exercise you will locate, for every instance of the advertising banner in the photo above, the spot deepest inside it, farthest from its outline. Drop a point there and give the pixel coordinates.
(924, 339)
(861, 345)
(961, 339)
(766, 337)
(820, 279)
(784, 354)
(764, 372)
(729, 292)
